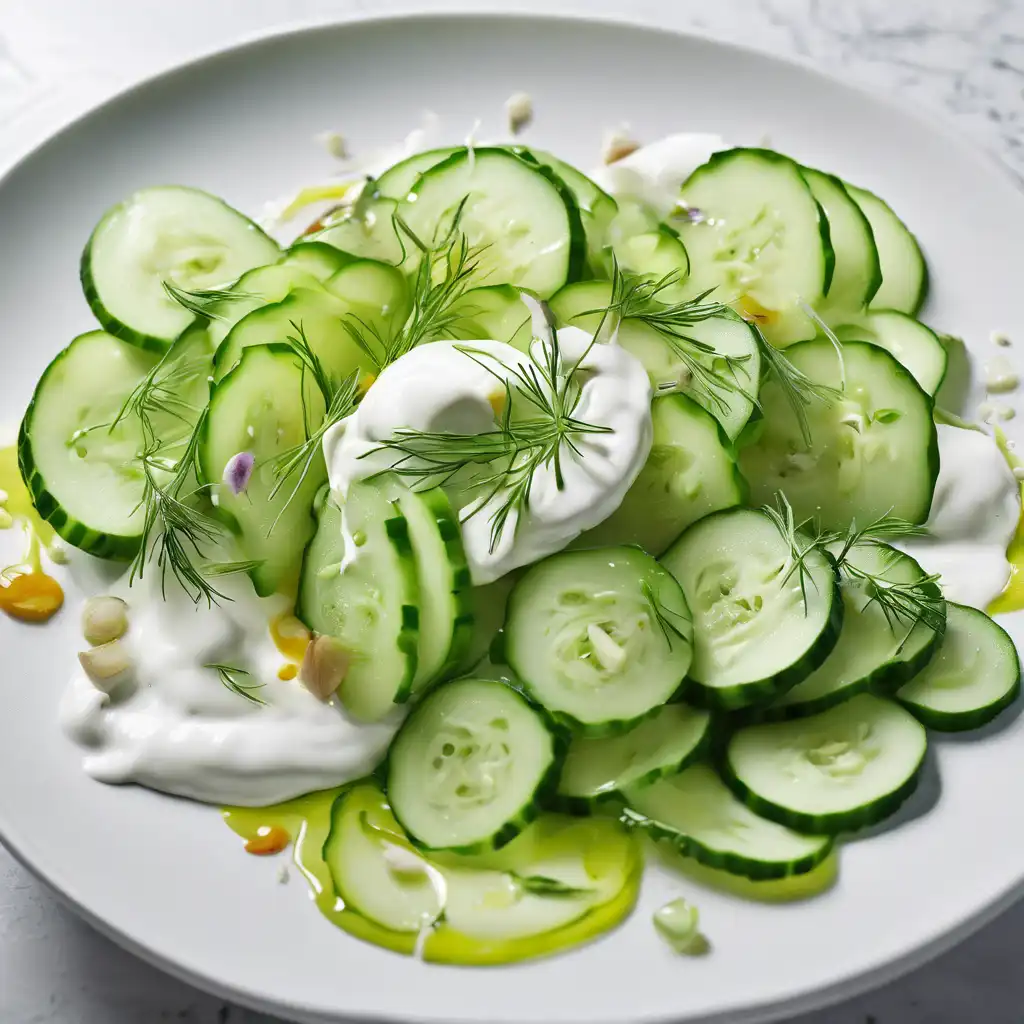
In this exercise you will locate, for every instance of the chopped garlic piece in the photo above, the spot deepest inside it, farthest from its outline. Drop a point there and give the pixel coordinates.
(617, 144)
(519, 109)
(678, 923)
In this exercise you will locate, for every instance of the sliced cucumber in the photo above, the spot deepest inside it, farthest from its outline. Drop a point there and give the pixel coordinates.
(316, 258)
(601, 638)
(83, 477)
(914, 345)
(172, 234)
(397, 181)
(718, 339)
(972, 678)
(653, 255)
(598, 768)
(446, 605)
(904, 271)
(496, 312)
(264, 406)
(373, 292)
(587, 193)
(762, 236)
(836, 771)
(874, 652)
(316, 314)
(858, 274)
(469, 766)
(369, 599)
(520, 211)
(367, 230)
(873, 451)
(761, 624)
(690, 472)
(696, 812)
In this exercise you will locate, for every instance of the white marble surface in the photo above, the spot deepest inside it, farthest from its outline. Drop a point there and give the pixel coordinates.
(962, 59)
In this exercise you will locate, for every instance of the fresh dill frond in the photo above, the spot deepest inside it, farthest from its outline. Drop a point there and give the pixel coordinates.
(444, 275)
(203, 302)
(801, 543)
(798, 390)
(502, 462)
(238, 680)
(883, 530)
(339, 398)
(711, 373)
(664, 616)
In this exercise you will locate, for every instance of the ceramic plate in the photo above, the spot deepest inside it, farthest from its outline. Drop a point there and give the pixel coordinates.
(165, 877)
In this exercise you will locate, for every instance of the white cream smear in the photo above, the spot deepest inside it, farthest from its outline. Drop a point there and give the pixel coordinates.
(974, 514)
(174, 726)
(452, 387)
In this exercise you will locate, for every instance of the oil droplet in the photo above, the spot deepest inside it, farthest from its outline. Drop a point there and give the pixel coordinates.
(269, 839)
(1012, 597)
(18, 503)
(289, 671)
(32, 597)
(290, 636)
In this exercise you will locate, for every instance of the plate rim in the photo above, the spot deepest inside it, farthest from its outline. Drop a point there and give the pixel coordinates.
(844, 986)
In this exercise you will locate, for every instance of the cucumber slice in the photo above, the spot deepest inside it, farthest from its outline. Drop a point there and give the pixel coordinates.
(914, 345)
(374, 868)
(375, 293)
(494, 311)
(446, 609)
(263, 406)
(972, 678)
(696, 812)
(653, 255)
(315, 258)
(873, 451)
(858, 274)
(170, 233)
(690, 472)
(83, 477)
(840, 770)
(397, 181)
(604, 767)
(469, 766)
(873, 653)
(760, 624)
(904, 271)
(320, 317)
(721, 336)
(762, 236)
(520, 211)
(372, 605)
(601, 638)
(587, 193)
(366, 230)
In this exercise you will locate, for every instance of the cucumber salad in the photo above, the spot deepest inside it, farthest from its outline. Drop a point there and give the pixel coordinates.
(527, 519)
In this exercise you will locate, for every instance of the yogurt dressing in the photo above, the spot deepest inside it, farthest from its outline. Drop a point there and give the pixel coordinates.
(439, 387)
(172, 724)
(973, 518)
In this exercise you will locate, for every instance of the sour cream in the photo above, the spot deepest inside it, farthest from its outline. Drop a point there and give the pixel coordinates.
(439, 387)
(974, 514)
(654, 174)
(172, 725)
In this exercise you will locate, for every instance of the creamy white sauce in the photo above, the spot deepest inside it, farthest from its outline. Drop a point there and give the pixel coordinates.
(974, 515)
(438, 387)
(655, 173)
(172, 724)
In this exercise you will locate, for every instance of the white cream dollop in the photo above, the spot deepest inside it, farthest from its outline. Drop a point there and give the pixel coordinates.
(172, 725)
(655, 173)
(974, 514)
(439, 387)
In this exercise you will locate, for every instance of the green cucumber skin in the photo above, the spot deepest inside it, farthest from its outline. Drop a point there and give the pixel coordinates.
(826, 245)
(963, 721)
(823, 824)
(408, 641)
(577, 256)
(762, 691)
(111, 546)
(756, 871)
(539, 800)
(582, 806)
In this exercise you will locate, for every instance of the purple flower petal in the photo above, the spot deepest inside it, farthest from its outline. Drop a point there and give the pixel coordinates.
(238, 471)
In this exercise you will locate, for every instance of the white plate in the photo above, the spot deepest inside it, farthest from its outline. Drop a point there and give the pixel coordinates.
(166, 878)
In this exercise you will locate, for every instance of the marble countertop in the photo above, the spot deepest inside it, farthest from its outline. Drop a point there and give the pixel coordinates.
(961, 59)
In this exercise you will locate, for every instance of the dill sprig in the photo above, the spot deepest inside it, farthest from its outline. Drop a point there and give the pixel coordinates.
(664, 616)
(443, 277)
(203, 302)
(798, 390)
(640, 299)
(801, 543)
(505, 460)
(238, 680)
(339, 398)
